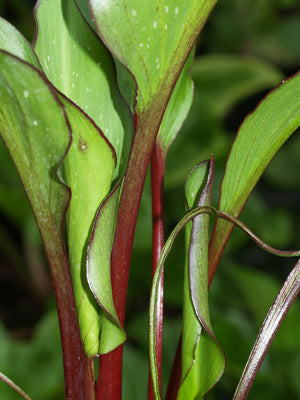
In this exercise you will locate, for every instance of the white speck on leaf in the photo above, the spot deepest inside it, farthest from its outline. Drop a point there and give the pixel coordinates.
(141, 45)
(35, 123)
(73, 85)
(166, 9)
(158, 66)
(133, 12)
(26, 93)
(155, 24)
(166, 27)
(176, 10)
(48, 58)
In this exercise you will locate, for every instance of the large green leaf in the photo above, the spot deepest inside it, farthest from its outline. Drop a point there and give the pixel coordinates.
(203, 361)
(35, 130)
(78, 64)
(259, 138)
(152, 39)
(88, 170)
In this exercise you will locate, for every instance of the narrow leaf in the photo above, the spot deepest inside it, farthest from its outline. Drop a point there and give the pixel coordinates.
(88, 170)
(177, 108)
(270, 326)
(203, 361)
(259, 138)
(99, 275)
(78, 64)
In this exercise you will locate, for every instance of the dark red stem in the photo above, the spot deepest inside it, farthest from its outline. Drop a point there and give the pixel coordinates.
(109, 385)
(157, 184)
(175, 377)
(78, 370)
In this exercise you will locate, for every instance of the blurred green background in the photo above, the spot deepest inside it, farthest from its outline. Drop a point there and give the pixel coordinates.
(246, 48)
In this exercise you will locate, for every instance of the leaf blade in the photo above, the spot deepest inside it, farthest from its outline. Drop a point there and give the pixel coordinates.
(88, 170)
(78, 65)
(203, 361)
(259, 138)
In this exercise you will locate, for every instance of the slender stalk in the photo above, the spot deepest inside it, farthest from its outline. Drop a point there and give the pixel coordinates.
(109, 385)
(15, 387)
(157, 183)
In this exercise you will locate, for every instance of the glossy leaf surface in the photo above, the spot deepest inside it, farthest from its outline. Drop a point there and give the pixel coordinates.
(259, 138)
(99, 275)
(151, 39)
(77, 63)
(29, 108)
(14, 42)
(202, 359)
(88, 171)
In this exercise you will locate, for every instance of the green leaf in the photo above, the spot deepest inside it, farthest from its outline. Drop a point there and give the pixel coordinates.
(99, 275)
(78, 65)
(88, 170)
(14, 42)
(155, 286)
(259, 138)
(35, 130)
(152, 39)
(177, 108)
(270, 326)
(203, 361)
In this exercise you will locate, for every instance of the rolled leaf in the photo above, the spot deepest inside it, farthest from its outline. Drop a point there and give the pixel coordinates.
(99, 274)
(203, 361)
(88, 171)
(259, 138)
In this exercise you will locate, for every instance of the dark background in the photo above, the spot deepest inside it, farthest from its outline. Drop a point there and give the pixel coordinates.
(228, 85)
